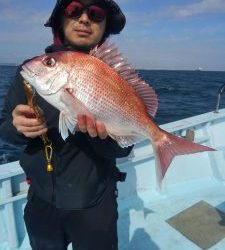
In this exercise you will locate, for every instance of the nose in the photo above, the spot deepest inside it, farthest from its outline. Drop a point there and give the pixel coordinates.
(84, 18)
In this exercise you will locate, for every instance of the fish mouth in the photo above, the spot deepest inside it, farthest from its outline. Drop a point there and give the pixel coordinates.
(26, 73)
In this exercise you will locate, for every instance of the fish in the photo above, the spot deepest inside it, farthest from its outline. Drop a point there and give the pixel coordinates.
(105, 86)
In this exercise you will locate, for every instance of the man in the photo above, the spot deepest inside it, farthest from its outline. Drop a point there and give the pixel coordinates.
(76, 202)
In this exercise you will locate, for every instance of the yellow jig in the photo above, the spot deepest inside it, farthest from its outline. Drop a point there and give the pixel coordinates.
(47, 143)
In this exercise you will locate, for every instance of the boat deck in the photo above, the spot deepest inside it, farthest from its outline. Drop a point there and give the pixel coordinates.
(147, 225)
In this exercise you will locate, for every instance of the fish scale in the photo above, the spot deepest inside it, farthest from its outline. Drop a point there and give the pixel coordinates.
(91, 95)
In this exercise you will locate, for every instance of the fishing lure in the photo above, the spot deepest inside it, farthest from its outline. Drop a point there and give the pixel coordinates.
(31, 100)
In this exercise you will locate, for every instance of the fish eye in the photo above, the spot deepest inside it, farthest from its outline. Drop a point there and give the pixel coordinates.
(49, 61)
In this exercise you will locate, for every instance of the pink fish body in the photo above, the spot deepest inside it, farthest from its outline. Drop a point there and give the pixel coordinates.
(102, 84)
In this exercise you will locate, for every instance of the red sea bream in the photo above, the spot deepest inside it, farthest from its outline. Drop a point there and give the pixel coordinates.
(103, 85)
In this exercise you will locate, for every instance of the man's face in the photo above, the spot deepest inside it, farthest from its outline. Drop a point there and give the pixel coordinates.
(82, 32)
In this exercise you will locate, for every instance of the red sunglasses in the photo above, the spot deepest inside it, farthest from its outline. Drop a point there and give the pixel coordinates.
(75, 10)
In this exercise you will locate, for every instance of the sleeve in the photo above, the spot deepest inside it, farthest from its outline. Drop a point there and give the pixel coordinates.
(108, 148)
(14, 96)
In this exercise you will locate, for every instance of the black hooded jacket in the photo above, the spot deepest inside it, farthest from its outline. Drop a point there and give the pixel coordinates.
(84, 167)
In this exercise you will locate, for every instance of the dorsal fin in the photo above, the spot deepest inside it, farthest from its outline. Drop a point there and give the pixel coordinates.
(109, 54)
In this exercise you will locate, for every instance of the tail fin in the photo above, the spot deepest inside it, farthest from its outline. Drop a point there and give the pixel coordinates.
(170, 146)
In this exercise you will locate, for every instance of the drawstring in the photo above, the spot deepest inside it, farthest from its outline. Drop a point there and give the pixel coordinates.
(31, 100)
(57, 40)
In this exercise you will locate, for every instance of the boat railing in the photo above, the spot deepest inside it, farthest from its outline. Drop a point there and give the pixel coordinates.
(220, 92)
(195, 128)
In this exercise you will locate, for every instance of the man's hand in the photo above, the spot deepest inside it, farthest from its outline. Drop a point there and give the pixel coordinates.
(91, 126)
(26, 124)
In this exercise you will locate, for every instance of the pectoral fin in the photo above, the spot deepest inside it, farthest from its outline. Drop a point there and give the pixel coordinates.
(66, 123)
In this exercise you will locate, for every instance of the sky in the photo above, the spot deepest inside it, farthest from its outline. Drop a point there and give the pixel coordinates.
(159, 34)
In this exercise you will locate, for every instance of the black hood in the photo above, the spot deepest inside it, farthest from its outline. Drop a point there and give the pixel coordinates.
(115, 18)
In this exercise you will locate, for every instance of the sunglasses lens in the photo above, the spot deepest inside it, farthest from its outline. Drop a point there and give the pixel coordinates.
(74, 9)
(96, 14)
